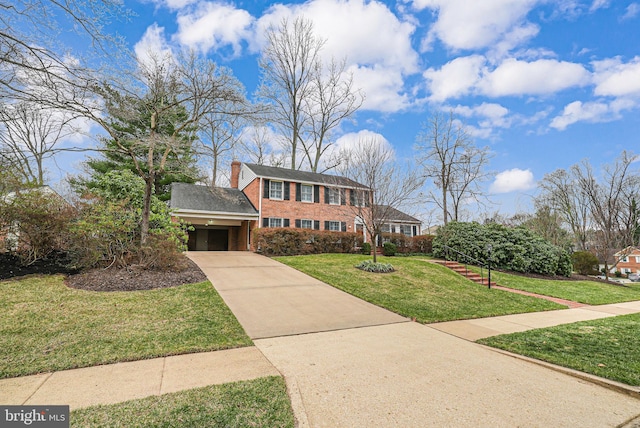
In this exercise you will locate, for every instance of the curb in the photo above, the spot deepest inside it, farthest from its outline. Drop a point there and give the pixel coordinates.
(613, 385)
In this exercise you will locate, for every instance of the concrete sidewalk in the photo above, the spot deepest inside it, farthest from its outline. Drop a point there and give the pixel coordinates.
(475, 329)
(114, 383)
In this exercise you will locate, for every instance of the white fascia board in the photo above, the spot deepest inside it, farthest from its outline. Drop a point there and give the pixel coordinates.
(215, 214)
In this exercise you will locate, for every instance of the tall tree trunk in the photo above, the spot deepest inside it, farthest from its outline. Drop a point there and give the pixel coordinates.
(146, 210)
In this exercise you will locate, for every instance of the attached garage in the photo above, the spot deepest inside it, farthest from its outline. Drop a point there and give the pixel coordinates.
(222, 218)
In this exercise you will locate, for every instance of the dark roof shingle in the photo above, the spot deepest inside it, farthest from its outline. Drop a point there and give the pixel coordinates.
(302, 176)
(203, 198)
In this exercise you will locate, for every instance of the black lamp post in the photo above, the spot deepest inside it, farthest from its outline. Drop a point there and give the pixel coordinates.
(489, 248)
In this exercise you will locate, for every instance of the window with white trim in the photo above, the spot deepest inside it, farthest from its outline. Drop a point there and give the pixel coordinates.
(334, 226)
(275, 222)
(275, 190)
(334, 196)
(306, 224)
(406, 230)
(385, 228)
(306, 193)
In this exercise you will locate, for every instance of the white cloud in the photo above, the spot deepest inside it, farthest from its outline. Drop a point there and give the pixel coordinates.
(592, 112)
(212, 26)
(513, 180)
(632, 11)
(454, 79)
(463, 24)
(374, 41)
(614, 78)
(599, 4)
(544, 76)
(350, 140)
(152, 44)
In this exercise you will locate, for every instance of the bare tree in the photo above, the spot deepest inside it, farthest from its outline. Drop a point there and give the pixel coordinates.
(30, 134)
(220, 130)
(563, 194)
(307, 100)
(610, 202)
(31, 55)
(332, 100)
(390, 185)
(257, 146)
(455, 166)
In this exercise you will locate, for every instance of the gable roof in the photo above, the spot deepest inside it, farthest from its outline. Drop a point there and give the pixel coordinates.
(272, 172)
(394, 215)
(194, 197)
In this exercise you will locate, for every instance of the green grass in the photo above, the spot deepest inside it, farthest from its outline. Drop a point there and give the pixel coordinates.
(46, 326)
(418, 289)
(255, 403)
(588, 292)
(608, 347)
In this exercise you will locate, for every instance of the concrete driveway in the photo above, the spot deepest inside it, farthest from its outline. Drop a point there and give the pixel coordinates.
(272, 300)
(390, 373)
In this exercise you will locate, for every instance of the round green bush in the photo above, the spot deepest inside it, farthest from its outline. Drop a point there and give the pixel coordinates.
(366, 248)
(389, 249)
(584, 262)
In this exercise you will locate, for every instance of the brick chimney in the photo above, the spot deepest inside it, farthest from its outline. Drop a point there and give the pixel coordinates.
(235, 173)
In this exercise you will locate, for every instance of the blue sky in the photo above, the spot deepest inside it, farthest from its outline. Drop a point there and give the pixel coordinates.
(543, 83)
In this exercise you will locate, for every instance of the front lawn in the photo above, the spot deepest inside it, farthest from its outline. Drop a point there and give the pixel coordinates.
(608, 347)
(256, 403)
(588, 292)
(46, 326)
(417, 289)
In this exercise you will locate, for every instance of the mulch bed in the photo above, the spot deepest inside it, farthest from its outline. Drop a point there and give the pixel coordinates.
(112, 279)
(134, 278)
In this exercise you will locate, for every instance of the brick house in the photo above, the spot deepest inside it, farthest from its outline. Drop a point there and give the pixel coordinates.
(264, 196)
(629, 260)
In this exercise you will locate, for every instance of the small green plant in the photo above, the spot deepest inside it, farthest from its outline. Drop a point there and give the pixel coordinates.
(584, 262)
(389, 249)
(376, 267)
(366, 248)
(618, 274)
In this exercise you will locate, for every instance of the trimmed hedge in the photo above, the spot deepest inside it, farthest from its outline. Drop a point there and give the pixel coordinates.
(517, 249)
(292, 242)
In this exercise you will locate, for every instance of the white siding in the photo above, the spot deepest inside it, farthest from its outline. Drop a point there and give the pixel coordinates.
(246, 177)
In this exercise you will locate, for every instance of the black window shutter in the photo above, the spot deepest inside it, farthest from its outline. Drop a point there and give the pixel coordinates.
(287, 186)
(326, 195)
(266, 188)
(352, 197)
(285, 222)
(298, 223)
(343, 226)
(326, 225)
(298, 192)
(316, 224)
(393, 229)
(265, 222)
(367, 198)
(415, 230)
(343, 196)
(316, 193)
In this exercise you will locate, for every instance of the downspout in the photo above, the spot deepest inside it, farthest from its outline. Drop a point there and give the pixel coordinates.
(260, 204)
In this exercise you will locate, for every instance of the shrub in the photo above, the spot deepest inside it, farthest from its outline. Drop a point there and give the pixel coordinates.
(36, 222)
(401, 241)
(366, 248)
(289, 242)
(389, 249)
(422, 244)
(516, 249)
(161, 252)
(617, 274)
(370, 266)
(584, 262)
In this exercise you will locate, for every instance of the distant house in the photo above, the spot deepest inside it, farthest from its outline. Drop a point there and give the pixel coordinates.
(396, 221)
(264, 196)
(629, 260)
